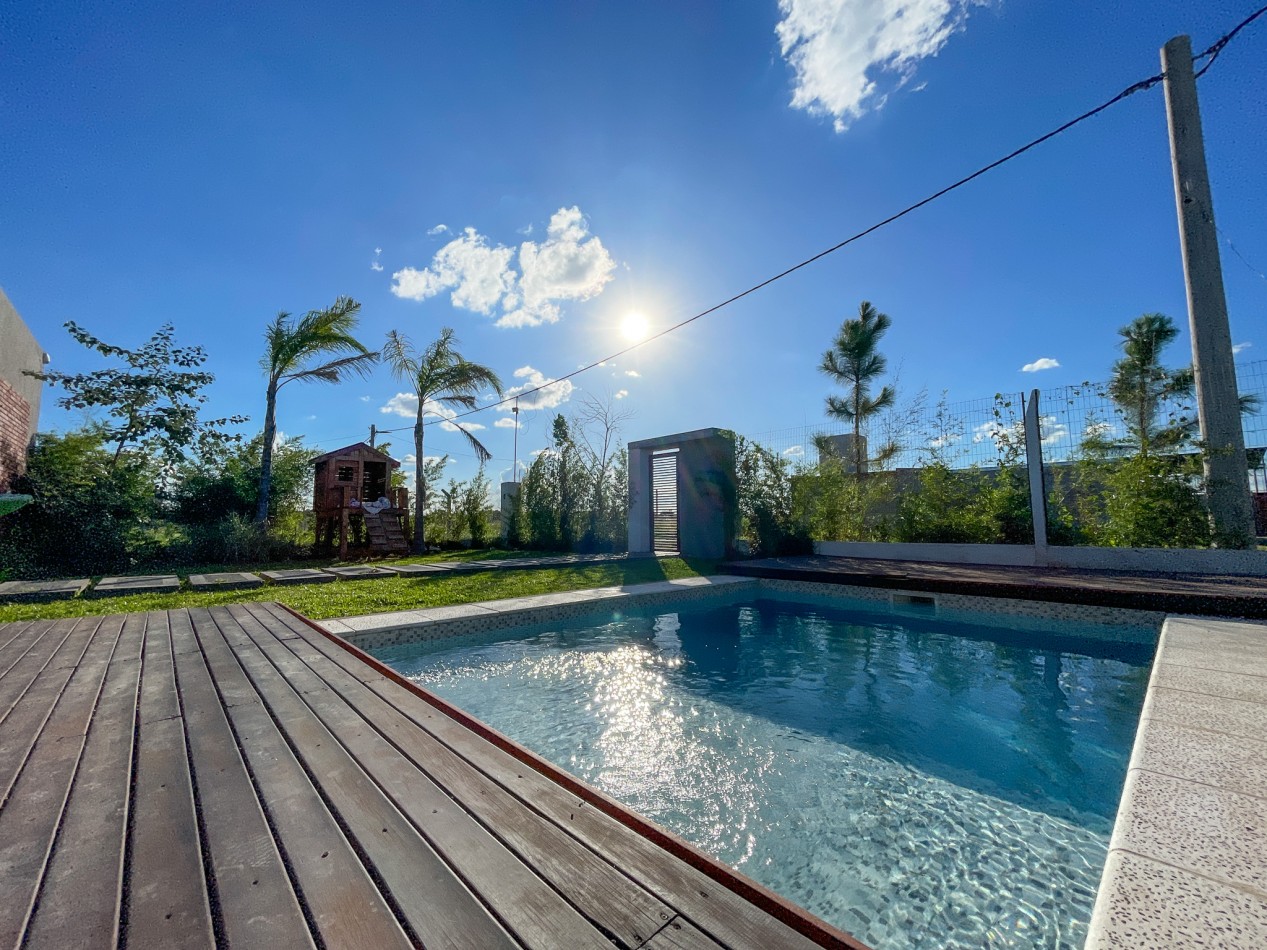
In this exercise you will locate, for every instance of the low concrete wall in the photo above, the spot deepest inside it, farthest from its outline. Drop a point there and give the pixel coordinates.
(1160, 560)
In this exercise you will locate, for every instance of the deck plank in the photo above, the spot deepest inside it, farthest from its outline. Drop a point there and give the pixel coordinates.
(718, 911)
(343, 901)
(36, 656)
(407, 865)
(29, 820)
(534, 912)
(680, 934)
(598, 889)
(79, 900)
(257, 904)
(167, 900)
(31, 707)
(12, 634)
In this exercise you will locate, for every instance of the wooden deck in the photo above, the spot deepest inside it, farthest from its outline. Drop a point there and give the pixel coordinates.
(235, 777)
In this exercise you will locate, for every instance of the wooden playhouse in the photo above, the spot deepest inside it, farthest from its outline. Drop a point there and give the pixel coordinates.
(353, 500)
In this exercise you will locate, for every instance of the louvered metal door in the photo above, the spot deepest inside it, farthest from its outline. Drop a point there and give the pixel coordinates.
(664, 528)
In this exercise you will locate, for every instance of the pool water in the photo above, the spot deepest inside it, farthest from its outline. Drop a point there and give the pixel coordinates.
(916, 781)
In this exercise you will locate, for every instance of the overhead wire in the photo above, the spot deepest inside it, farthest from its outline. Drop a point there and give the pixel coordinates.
(1211, 53)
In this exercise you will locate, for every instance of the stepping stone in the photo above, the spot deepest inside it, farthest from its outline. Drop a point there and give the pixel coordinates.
(231, 580)
(42, 590)
(359, 572)
(143, 584)
(301, 575)
(409, 569)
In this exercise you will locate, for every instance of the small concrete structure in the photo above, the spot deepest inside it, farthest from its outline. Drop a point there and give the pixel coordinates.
(42, 590)
(300, 575)
(707, 492)
(359, 572)
(510, 494)
(141, 584)
(230, 580)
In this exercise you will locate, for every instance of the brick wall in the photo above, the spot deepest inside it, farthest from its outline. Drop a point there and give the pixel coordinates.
(15, 427)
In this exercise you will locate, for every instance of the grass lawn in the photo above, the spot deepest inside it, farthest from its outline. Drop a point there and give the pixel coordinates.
(351, 598)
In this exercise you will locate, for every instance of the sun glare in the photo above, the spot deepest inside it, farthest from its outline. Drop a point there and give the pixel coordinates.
(634, 327)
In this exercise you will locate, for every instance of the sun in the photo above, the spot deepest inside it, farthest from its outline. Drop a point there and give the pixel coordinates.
(634, 327)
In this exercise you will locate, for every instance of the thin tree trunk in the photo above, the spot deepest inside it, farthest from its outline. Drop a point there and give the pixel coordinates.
(266, 459)
(420, 486)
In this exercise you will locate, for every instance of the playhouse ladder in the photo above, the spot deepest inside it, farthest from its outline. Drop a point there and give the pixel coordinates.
(384, 534)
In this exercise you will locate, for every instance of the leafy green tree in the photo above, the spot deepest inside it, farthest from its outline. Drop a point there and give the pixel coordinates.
(855, 363)
(570, 478)
(475, 508)
(540, 492)
(208, 487)
(301, 350)
(764, 489)
(154, 400)
(439, 376)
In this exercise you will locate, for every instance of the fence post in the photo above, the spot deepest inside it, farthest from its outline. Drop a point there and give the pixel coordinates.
(1034, 462)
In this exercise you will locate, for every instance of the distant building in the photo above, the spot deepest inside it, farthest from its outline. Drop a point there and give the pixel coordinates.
(19, 394)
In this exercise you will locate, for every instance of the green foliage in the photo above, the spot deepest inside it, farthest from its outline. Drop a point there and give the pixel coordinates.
(1142, 501)
(154, 401)
(764, 481)
(855, 362)
(475, 508)
(1140, 385)
(439, 376)
(541, 506)
(831, 503)
(227, 482)
(92, 510)
(299, 350)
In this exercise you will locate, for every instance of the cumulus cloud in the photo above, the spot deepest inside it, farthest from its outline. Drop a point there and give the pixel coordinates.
(406, 405)
(633, 372)
(438, 229)
(1040, 364)
(848, 55)
(549, 393)
(375, 266)
(1238, 347)
(506, 422)
(571, 264)
(1053, 431)
(479, 276)
(796, 450)
(621, 394)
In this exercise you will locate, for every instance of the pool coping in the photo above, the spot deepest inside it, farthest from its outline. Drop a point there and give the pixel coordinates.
(1187, 863)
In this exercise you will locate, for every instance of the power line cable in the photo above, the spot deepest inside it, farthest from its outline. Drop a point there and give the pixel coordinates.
(1212, 53)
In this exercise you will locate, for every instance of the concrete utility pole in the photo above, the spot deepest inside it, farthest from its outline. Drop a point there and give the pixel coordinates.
(1218, 402)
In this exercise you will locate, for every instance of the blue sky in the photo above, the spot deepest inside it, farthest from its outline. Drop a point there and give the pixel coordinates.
(211, 164)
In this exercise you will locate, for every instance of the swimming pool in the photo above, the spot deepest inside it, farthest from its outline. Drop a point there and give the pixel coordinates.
(919, 780)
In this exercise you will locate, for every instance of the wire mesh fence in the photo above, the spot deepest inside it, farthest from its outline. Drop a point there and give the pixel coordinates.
(979, 432)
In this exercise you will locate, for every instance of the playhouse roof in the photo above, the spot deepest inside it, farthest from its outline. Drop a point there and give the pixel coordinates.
(357, 448)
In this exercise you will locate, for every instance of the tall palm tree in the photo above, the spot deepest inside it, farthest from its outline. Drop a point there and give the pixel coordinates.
(438, 375)
(855, 363)
(1140, 384)
(293, 352)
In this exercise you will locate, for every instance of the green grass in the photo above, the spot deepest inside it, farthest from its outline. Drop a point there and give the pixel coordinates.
(352, 598)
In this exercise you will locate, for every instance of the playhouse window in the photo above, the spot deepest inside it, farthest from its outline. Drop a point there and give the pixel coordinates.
(346, 473)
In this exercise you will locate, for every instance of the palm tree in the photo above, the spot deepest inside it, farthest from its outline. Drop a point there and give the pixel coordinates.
(292, 353)
(438, 375)
(1140, 384)
(855, 364)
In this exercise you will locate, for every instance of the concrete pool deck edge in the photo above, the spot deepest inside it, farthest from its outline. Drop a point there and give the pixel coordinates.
(1187, 862)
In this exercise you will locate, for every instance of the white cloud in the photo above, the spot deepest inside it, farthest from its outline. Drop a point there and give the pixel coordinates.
(365, 399)
(375, 266)
(634, 373)
(999, 433)
(1053, 432)
(1099, 429)
(1238, 347)
(406, 405)
(478, 275)
(944, 440)
(1040, 364)
(378, 250)
(844, 51)
(571, 264)
(506, 422)
(621, 393)
(438, 229)
(796, 450)
(526, 229)
(549, 394)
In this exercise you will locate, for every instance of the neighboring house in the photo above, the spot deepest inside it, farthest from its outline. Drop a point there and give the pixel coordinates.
(19, 394)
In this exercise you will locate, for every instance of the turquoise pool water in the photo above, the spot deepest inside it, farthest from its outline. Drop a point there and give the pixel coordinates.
(914, 780)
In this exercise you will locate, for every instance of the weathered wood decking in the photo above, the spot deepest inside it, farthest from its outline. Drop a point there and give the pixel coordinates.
(235, 777)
